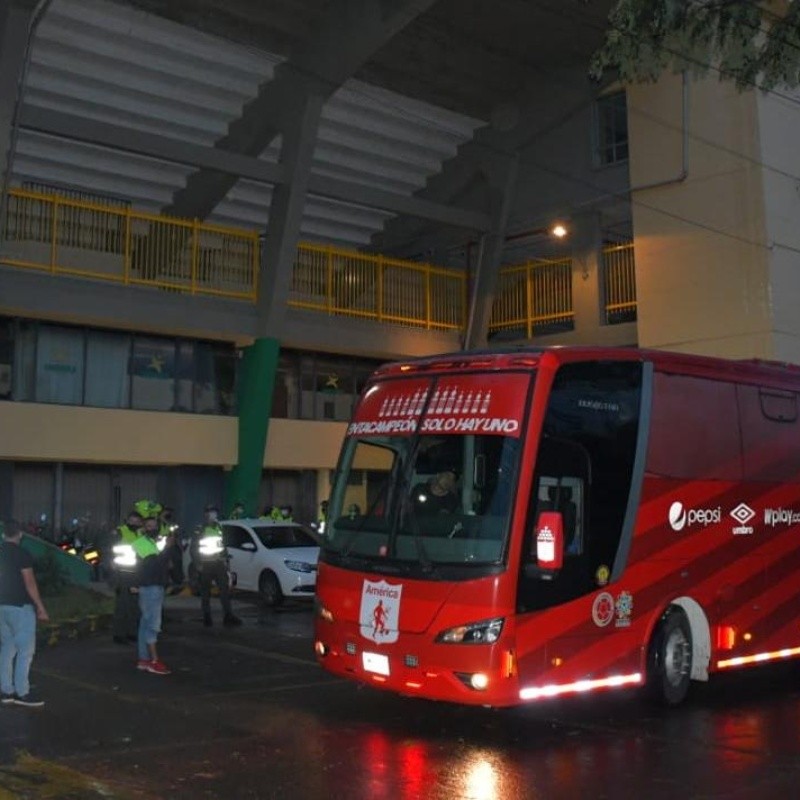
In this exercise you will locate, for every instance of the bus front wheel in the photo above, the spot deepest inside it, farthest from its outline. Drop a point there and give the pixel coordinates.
(669, 663)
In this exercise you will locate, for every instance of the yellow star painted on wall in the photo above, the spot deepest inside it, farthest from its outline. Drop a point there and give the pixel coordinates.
(156, 364)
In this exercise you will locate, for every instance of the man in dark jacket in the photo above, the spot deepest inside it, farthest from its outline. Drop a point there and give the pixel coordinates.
(20, 607)
(152, 577)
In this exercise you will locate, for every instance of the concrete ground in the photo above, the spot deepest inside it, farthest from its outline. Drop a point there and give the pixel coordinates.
(247, 713)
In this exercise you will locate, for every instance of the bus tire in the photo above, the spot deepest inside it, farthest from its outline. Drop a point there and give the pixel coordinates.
(669, 661)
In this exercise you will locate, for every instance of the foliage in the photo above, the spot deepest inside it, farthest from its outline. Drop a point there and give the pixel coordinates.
(50, 576)
(751, 43)
(78, 602)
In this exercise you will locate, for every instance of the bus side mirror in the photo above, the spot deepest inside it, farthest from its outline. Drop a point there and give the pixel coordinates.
(548, 541)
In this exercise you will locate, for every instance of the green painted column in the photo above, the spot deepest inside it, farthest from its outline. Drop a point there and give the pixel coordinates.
(256, 385)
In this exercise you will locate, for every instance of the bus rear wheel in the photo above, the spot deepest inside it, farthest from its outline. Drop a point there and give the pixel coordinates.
(669, 663)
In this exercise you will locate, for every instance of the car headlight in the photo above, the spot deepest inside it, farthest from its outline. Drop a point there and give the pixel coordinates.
(300, 566)
(484, 632)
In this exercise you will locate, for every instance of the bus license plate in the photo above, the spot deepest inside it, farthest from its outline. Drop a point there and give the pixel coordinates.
(375, 662)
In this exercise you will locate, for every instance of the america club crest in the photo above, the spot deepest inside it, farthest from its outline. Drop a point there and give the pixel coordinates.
(379, 615)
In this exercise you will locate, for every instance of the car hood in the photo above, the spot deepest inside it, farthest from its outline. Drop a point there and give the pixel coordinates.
(308, 555)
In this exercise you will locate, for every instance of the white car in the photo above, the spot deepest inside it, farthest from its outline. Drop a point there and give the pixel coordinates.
(275, 559)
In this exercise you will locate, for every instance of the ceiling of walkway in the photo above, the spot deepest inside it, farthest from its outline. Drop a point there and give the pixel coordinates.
(463, 55)
(194, 70)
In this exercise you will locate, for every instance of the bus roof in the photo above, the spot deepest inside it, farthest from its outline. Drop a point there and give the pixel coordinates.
(761, 371)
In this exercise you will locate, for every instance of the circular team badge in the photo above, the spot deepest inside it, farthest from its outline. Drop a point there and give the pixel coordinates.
(603, 609)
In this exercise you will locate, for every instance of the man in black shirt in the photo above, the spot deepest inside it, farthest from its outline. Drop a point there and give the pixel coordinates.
(436, 495)
(20, 607)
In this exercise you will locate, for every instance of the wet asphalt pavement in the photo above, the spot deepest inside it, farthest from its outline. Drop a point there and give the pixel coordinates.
(247, 713)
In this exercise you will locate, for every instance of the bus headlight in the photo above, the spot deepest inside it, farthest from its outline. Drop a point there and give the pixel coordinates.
(485, 632)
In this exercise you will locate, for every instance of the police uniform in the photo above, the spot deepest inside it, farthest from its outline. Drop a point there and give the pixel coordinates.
(125, 625)
(211, 562)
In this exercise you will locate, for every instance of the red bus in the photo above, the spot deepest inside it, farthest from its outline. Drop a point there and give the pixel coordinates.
(523, 524)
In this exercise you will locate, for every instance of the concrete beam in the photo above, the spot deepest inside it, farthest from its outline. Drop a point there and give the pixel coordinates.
(502, 178)
(349, 34)
(37, 295)
(285, 215)
(71, 126)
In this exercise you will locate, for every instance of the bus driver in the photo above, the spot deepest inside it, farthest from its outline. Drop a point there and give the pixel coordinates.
(438, 494)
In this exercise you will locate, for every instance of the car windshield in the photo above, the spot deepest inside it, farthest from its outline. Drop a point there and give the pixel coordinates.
(438, 497)
(274, 536)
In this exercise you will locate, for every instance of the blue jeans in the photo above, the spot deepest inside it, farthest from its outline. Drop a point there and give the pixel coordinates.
(151, 601)
(17, 641)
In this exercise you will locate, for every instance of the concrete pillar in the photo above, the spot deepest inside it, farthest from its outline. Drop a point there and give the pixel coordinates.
(587, 301)
(286, 212)
(501, 173)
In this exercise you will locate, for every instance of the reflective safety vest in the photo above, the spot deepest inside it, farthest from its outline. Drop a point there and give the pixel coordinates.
(144, 546)
(124, 554)
(209, 544)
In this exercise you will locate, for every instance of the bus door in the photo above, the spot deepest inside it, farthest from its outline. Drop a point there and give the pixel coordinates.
(572, 621)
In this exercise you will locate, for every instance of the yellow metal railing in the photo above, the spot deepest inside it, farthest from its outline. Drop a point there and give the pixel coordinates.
(535, 297)
(348, 283)
(619, 283)
(66, 236)
(75, 236)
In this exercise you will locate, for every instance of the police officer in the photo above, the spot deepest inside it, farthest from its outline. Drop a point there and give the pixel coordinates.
(211, 561)
(125, 624)
(168, 532)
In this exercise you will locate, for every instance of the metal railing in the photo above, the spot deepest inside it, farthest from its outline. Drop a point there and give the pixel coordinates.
(348, 283)
(76, 236)
(67, 236)
(533, 298)
(619, 283)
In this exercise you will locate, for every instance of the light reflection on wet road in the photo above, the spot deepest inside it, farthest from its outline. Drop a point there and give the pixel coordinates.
(248, 714)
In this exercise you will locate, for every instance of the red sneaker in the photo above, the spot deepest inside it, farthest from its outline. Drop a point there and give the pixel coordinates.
(142, 664)
(158, 668)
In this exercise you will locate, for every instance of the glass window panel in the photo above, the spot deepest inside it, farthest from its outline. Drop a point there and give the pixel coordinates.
(205, 394)
(153, 374)
(25, 361)
(307, 386)
(226, 365)
(107, 378)
(612, 128)
(59, 365)
(185, 373)
(6, 357)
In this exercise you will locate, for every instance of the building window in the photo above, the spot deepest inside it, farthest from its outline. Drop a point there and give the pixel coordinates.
(153, 374)
(6, 357)
(107, 378)
(59, 365)
(106, 369)
(611, 129)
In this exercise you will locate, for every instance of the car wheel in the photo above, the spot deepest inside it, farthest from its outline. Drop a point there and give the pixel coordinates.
(669, 667)
(193, 580)
(270, 589)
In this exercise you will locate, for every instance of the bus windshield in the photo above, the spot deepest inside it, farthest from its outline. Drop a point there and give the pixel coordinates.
(429, 490)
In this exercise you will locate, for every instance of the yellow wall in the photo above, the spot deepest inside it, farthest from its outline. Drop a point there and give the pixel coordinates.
(702, 272)
(37, 431)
